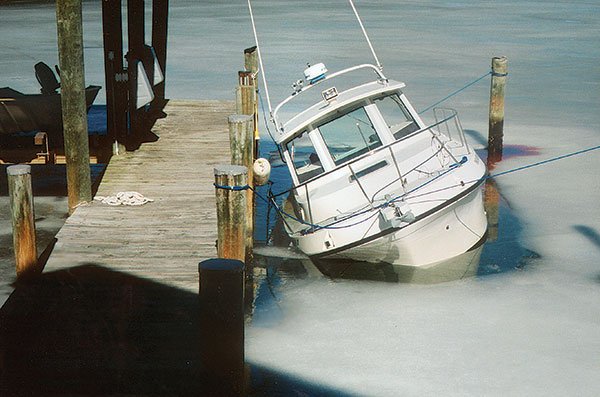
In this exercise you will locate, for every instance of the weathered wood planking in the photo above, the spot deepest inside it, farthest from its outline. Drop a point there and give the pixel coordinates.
(166, 239)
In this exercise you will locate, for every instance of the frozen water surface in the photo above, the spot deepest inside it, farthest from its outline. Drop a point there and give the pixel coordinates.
(525, 332)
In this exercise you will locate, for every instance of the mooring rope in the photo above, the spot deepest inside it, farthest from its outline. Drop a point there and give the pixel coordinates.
(314, 227)
(456, 92)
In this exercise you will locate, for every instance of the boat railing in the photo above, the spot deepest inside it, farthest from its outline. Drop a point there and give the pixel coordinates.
(451, 144)
(304, 88)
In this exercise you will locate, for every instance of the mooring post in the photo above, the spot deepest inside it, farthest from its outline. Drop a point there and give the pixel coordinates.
(114, 75)
(160, 22)
(496, 125)
(251, 65)
(74, 112)
(241, 141)
(23, 219)
(231, 182)
(246, 95)
(222, 324)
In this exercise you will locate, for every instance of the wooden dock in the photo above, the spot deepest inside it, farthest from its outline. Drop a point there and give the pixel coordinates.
(163, 240)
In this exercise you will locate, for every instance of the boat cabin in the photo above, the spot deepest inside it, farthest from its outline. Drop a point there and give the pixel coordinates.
(356, 122)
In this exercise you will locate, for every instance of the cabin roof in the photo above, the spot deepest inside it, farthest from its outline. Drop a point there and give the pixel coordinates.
(321, 109)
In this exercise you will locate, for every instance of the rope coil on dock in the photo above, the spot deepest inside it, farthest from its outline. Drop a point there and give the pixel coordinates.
(124, 198)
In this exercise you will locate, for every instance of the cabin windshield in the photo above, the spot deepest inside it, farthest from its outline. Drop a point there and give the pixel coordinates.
(349, 136)
(304, 156)
(396, 116)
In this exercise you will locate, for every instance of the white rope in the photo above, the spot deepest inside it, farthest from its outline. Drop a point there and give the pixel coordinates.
(124, 198)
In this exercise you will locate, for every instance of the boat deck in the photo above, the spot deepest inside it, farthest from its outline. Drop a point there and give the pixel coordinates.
(165, 239)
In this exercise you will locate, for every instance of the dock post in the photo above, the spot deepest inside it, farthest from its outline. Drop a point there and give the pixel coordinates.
(160, 22)
(115, 75)
(231, 183)
(251, 65)
(496, 124)
(222, 324)
(74, 113)
(246, 95)
(241, 134)
(23, 219)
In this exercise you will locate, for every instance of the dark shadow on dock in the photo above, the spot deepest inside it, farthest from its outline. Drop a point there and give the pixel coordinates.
(89, 330)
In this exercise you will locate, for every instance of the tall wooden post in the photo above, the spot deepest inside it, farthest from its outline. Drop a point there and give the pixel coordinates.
(115, 76)
(241, 141)
(160, 21)
(251, 65)
(496, 125)
(70, 54)
(222, 325)
(135, 54)
(230, 183)
(23, 219)
(246, 96)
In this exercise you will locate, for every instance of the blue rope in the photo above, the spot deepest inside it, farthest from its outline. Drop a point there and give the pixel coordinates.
(550, 160)
(456, 92)
(315, 227)
(233, 188)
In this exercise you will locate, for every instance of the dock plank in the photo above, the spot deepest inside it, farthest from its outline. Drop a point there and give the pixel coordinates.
(163, 240)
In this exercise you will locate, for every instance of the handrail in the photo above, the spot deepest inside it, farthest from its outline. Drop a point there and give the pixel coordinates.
(331, 76)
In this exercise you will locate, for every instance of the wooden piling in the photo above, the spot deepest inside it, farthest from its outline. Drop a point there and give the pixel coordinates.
(246, 95)
(160, 22)
(74, 113)
(496, 124)
(115, 75)
(241, 141)
(251, 65)
(230, 183)
(23, 219)
(222, 324)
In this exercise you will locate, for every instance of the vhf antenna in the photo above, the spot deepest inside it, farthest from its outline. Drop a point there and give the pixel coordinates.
(366, 35)
(262, 69)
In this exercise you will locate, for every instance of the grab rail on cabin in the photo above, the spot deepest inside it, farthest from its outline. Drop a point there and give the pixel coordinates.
(380, 77)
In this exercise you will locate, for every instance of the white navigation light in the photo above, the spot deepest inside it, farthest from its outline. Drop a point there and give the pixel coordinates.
(315, 73)
(330, 94)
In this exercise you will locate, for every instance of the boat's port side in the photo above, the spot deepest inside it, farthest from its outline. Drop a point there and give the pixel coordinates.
(447, 232)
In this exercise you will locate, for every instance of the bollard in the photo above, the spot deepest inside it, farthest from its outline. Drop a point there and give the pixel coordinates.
(241, 140)
(230, 183)
(496, 123)
(222, 324)
(23, 219)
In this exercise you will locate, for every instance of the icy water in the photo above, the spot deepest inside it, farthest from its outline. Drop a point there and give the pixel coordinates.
(523, 330)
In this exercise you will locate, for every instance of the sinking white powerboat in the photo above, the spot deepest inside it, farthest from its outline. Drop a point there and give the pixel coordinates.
(371, 180)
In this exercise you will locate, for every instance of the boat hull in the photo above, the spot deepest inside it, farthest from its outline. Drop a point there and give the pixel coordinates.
(449, 230)
(36, 112)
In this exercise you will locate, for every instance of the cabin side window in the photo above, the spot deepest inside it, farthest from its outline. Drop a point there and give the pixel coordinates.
(350, 135)
(396, 116)
(304, 157)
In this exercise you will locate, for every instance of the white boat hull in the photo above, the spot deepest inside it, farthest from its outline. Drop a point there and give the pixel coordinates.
(445, 233)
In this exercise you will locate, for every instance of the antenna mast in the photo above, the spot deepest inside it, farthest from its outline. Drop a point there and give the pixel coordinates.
(364, 33)
(262, 69)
